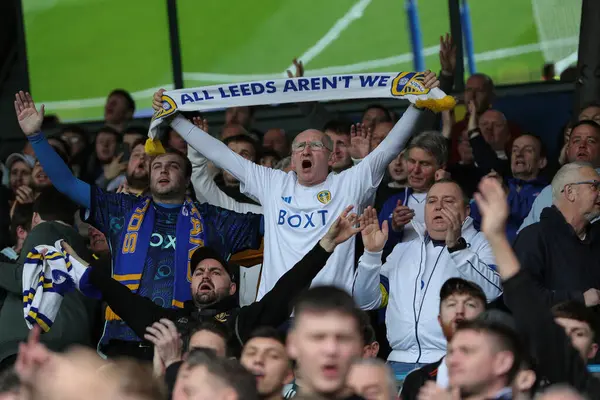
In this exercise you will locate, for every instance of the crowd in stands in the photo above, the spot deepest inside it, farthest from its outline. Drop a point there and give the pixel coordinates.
(412, 257)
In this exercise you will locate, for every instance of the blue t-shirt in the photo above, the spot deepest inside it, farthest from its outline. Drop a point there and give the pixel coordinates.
(225, 231)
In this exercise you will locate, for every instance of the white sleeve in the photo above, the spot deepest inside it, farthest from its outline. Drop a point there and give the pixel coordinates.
(476, 263)
(366, 291)
(207, 191)
(255, 179)
(367, 175)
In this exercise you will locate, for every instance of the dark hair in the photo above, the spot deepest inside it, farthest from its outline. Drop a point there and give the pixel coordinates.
(465, 198)
(110, 130)
(267, 332)
(506, 339)
(270, 153)
(77, 129)
(135, 130)
(486, 79)
(52, 205)
(244, 139)
(128, 99)
(338, 126)
(367, 331)
(190, 328)
(543, 150)
(186, 162)
(576, 311)
(9, 381)
(388, 115)
(323, 299)
(228, 371)
(461, 286)
(137, 143)
(63, 142)
(587, 122)
(21, 217)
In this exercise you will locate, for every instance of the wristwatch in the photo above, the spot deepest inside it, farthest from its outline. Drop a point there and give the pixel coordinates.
(461, 244)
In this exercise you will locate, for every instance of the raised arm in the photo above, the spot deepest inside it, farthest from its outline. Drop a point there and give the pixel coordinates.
(207, 191)
(30, 120)
(558, 360)
(276, 306)
(367, 291)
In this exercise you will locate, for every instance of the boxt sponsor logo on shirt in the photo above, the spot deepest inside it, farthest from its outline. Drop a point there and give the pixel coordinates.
(315, 219)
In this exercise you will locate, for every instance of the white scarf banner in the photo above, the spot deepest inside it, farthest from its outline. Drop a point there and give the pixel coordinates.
(403, 85)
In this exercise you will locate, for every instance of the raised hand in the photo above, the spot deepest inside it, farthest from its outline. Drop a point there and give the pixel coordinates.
(31, 357)
(401, 216)
(299, 69)
(442, 174)
(201, 123)
(431, 81)
(341, 230)
(454, 226)
(30, 119)
(167, 341)
(447, 55)
(24, 195)
(114, 168)
(69, 250)
(493, 206)
(373, 236)
(157, 100)
(360, 141)
(473, 118)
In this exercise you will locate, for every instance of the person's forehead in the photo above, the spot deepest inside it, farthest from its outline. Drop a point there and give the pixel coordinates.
(419, 153)
(19, 164)
(139, 148)
(374, 111)
(444, 189)
(374, 373)
(105, 135)
(526, 140)
(209, 263)
(274, 134)
(334, 136)
(493, 116)
(591, 110)
(309, 135)
(265, 343)
(461, 297)
(569, 323)
(588, 173)
(241, 145)
(475, 81)
(168, 158)
(331, 321)
(585, 130)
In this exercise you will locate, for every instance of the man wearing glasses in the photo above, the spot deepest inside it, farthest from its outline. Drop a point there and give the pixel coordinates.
(299, 206)
(562, 251)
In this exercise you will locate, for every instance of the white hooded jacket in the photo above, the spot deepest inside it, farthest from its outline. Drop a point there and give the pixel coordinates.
(416, 271)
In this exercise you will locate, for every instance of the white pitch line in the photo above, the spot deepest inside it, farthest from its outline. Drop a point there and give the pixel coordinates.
(340, 69)
(341, 24)
(99, 101)
(565, 63)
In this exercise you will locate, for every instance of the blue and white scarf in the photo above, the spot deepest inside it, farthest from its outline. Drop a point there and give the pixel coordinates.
(404, 85)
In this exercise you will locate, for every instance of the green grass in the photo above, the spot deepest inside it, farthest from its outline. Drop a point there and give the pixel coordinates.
(82, 49)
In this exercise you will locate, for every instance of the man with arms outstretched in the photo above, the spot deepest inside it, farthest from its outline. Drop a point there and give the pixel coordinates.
(300, 206)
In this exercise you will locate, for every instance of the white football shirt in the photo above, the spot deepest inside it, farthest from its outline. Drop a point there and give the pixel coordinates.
(296, 217)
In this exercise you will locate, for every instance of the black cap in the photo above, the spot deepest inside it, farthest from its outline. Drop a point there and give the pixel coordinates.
(205, 253)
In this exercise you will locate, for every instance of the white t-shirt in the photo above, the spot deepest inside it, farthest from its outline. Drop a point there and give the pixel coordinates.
(296, 217)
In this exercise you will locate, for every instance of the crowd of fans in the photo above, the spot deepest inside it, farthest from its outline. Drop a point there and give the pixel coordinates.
(416, 257)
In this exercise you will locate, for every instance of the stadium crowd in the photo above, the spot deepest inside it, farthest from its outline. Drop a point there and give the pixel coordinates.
(416, 257)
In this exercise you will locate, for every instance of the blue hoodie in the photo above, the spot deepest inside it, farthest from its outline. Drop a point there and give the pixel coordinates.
(521, 196)
(386, 213)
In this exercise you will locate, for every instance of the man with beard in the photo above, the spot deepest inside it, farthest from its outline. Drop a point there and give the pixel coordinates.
(459, 300)
(152, 237)
(136, 176)
(562, 251)
(213, 288)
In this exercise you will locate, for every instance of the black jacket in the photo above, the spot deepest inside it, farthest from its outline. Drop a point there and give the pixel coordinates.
(417, 378)
(557, 360)
(487, 159)
(562, 265)
(272, 310)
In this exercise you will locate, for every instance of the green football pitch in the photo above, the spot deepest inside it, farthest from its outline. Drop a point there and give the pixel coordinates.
(78, 50)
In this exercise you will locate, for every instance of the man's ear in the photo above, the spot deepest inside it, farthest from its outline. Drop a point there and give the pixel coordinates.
(542, 163)
(36, 220)
(593, 350)
(232, 288)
